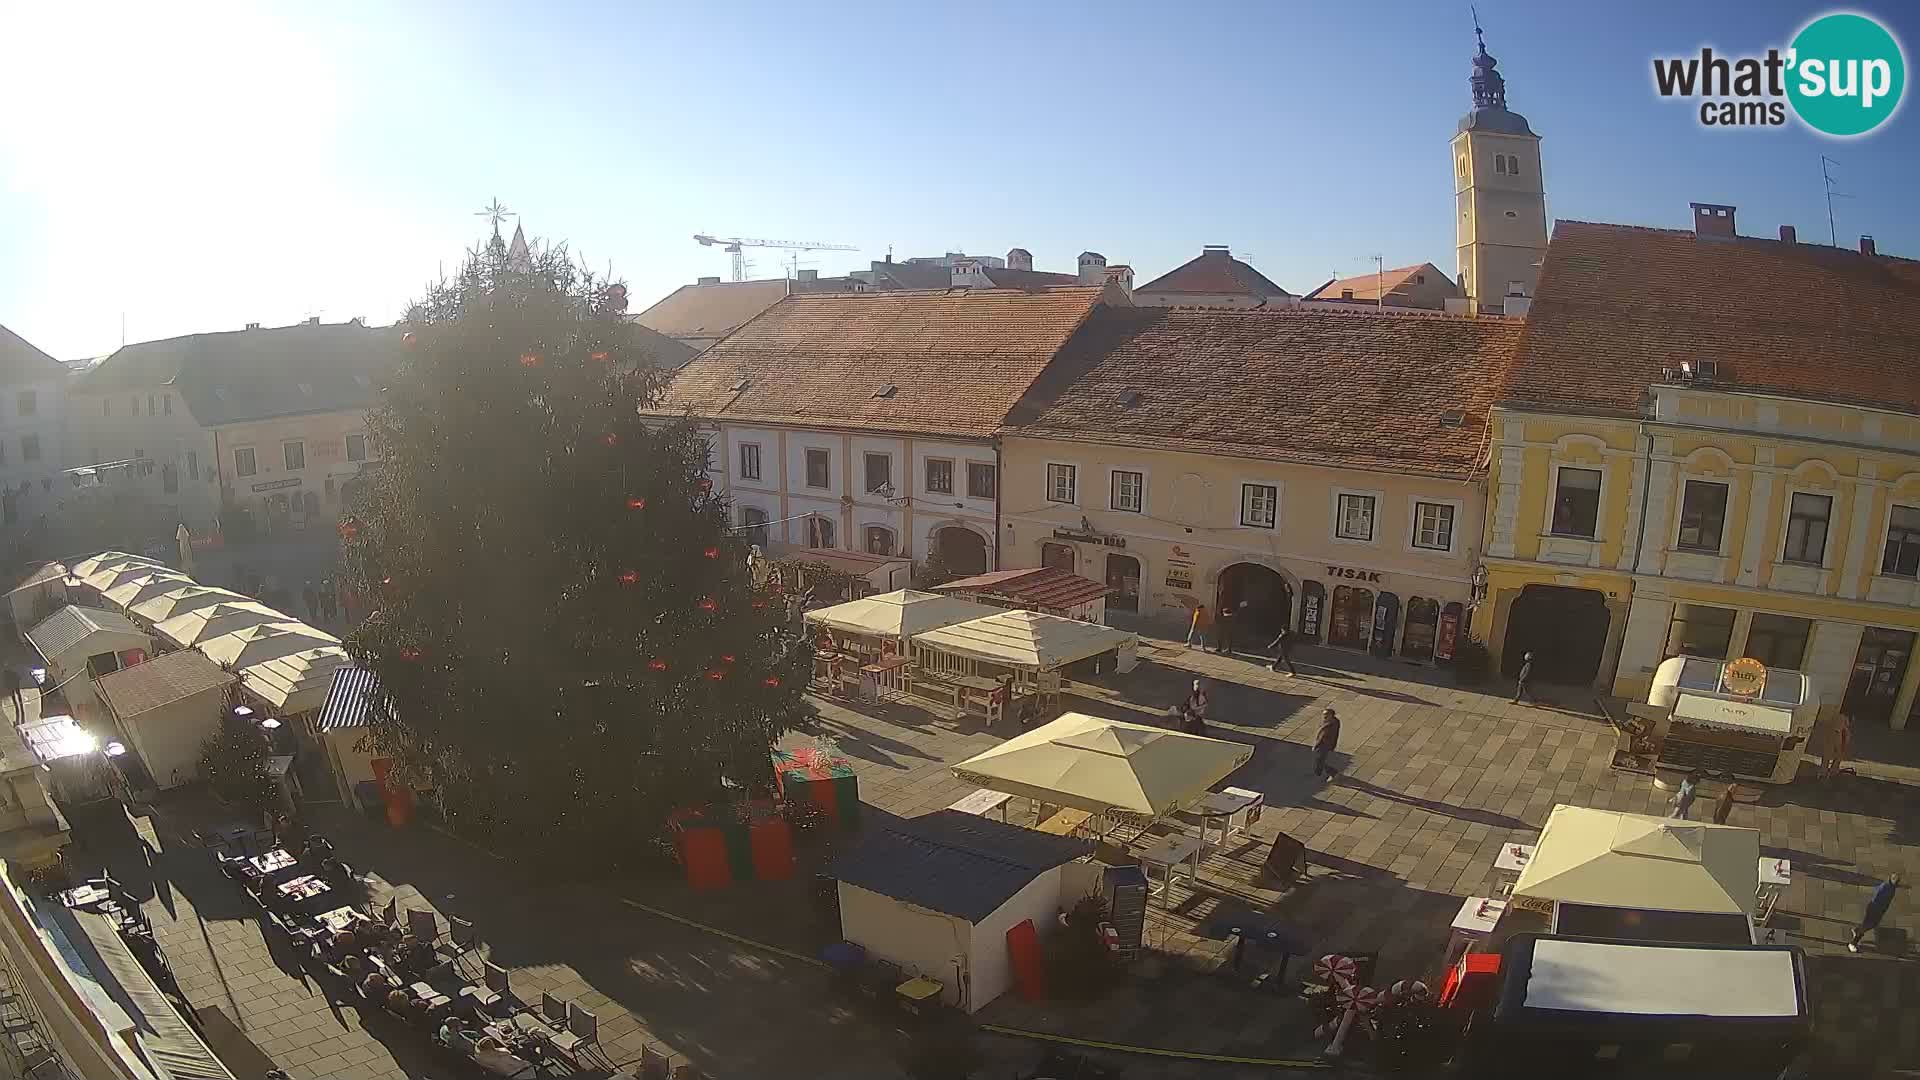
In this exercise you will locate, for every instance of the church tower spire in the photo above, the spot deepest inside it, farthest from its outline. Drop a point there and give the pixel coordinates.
(1499, 193)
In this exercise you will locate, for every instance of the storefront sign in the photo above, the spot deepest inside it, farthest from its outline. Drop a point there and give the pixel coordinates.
(1745, 676)
(1449, 632)
(1353, 574)
(1179, 577)
(276, 485)
(1089, 538)
(1313, 597)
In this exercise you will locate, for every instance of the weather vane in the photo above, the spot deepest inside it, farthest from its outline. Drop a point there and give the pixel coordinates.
(1477, 35)
(495, 212)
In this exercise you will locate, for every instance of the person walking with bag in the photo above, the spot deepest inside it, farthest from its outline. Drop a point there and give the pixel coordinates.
(1326, 743)
(1282, 647)
(1198, 629)
(1877, 906)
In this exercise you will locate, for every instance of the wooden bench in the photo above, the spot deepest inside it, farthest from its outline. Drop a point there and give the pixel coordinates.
(1065, 822)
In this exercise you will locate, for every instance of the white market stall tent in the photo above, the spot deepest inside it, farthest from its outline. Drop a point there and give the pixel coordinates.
(297, 682)
(114, 573)
(180, 601)
(262, 642)
(896, 616)
(37, 595)
(1107, 767)
(86, 567)
(937, 894)
(1629, 874)
(214, 620)
(146, 587)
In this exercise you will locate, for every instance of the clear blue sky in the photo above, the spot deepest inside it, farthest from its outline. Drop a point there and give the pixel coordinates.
(196, 167)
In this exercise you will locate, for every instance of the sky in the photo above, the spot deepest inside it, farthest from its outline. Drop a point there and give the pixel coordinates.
(176, 168)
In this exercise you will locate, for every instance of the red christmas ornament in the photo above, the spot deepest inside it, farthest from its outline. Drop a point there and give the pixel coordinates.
(529, 360)
(636, 503)
(716, 675)
(602, 356)
(707, 603)
(712, 553)
(656, 664)
(726, 658)
(772, 681)
(409, 340)
(348, 528)
(629, 577)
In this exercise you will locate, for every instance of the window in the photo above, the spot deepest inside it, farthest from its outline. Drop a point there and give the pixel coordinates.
(30, 447)
(1703, 516)
(749, 461)
(1903, 543)
(1576, 503)
(1699, 630)
(169, 479)
(819, 470)
(1061, 483)
(106, 407)
(819, 531)
(1259, 505)
(1433, 526)
(150, 401)
(1129, 491)
(193, 462)
(1354, 521)
(356, 448)
(295, 453)
(133, 405)
(1778, 640)
(1500, 164)
(939, 476)
(29, 402)
(166, 404)
(1807, 528)
(982, 482)
(879, 540)
(879, 473)
(243, 461)
(754, 524)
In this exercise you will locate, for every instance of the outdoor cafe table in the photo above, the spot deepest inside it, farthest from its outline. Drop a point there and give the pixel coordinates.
(1477, 917)
(983, 802)
(1223, 805)
(275, 860)
(1775, 876)
(1511, 863)
(1170, 852)
(84, 895)
(303, 888)
(338, 919)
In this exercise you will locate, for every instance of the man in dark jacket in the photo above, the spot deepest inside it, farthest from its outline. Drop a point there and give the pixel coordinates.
(1520, 688)
(1877, 906)
(1283, 651)
(1326, 744)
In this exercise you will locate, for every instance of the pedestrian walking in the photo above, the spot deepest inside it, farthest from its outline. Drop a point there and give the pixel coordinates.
(1202, 623)
(1223, 629)
(311, 598)
(329, 600)
(1683, 799)
(1723, 806)
(1520, 689)
(1836, 746)
(1193, 711)
(1877, 906)
(1282, 647)
(1326, 743)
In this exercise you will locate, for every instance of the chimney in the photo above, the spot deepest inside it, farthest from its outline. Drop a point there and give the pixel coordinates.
(708, 281)
(313, 320)
(1216, 249)
(1019, 259)
(1122, 275)
(1346, 294)
(809, 275)
(1093, 268)
(1787, 235)
(1712, 219)
(253, 326)
(1866, 245)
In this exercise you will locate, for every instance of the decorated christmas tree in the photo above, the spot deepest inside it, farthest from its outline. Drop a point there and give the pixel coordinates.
(564, 626)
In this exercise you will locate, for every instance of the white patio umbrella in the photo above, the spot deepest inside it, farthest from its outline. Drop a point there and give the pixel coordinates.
(214, 620)
(114, 573)
(182, 600)
(297, 682)
(262, 642)
(1610, 859)
(133, 590)
(103, 560)
(1105, 766)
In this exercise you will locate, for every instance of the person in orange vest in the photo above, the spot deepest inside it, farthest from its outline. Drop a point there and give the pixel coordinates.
(1202, 622)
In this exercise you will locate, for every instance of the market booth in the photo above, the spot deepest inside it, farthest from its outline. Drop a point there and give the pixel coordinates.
(1049, 589)
(1641, 878)
(113, 573)
(870, 635)
(215, 620)
(38, 595)
(1589, 1007)
(1027, 651)
(262, 642)
(180, 601)
(1738, 717)
(145, 587)
(936, 896)
(168, 707)
(82, 644)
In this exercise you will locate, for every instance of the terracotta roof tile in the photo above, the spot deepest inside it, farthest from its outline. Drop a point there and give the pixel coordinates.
(1356, 388)
(819, 359)
(1214, 271)
(711, 311)
(1618, 303)
(1371, 286)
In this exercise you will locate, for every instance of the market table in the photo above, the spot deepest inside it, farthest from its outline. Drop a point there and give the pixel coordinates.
(1775, 876)
(338, 919)
(272, 861)
(1477, 917)
(1511, 863)
(1224, 805)
(1170, 852)
(303, 888)
(84, 895)
(983, 802)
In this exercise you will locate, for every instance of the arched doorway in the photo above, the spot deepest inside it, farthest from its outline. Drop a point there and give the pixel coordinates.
(962, 550)
(1350, 618)
(1564, 628)
(1269, 601)
(1058, 557)
(1123, 578)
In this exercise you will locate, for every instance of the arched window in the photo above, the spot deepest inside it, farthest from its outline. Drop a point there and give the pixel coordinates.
(820, 532)
(754, 522)
(879, 540)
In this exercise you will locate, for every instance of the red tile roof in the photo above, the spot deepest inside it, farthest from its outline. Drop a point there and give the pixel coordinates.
(711, 311)
(1371, 286)
(1356, 388)
(1617, 303)
(1214, 271)
(1044, 586)
(957, 360)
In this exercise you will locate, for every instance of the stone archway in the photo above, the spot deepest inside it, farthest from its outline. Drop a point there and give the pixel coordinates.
(1269, 597)
(962, 550)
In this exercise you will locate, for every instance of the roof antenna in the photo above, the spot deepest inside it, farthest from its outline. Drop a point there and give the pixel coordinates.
(1833, 238)
(1477, 35)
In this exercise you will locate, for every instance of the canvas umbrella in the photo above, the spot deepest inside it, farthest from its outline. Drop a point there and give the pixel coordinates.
(262, 642)
(188, 597)
(1609, 859)
(133, 590)
(103, 560)
(113, 574)
(1106, 766)
(214, 620)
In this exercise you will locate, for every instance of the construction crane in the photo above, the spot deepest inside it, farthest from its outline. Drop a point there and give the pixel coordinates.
(736, 245)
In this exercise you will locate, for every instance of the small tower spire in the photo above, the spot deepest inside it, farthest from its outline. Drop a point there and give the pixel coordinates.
(1489, 89)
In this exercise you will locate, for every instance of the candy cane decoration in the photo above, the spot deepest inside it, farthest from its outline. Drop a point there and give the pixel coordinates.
(1359, 1001)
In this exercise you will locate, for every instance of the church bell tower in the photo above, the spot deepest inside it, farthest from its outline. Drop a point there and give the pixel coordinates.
(1500, 197)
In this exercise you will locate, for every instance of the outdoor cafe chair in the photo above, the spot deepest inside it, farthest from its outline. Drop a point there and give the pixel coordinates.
(461, 937)
(553, 1011)
(654, 1065)
(391, 913)
(424, 925)
(496, 990)
(582, 1033)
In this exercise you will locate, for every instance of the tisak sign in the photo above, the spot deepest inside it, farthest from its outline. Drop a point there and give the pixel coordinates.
(1744, 677)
